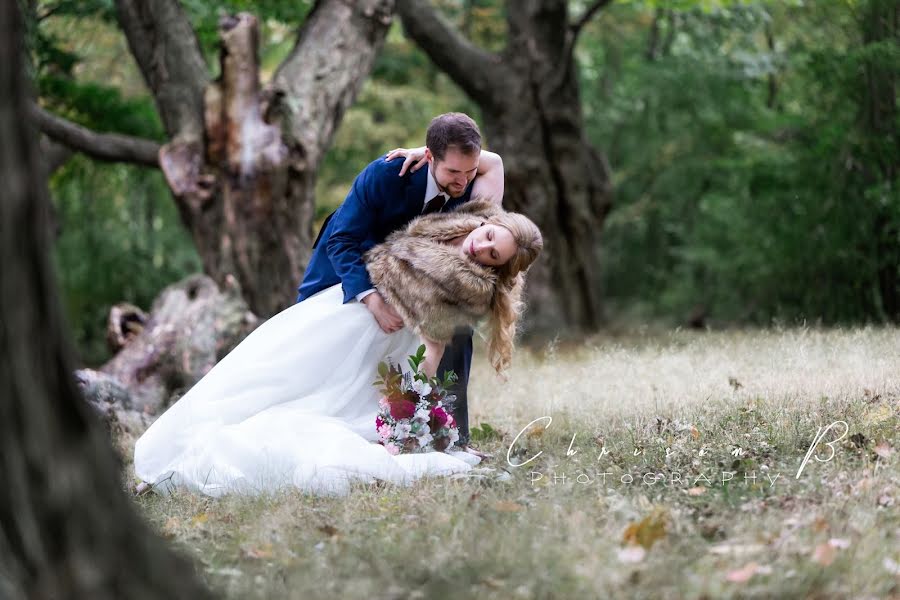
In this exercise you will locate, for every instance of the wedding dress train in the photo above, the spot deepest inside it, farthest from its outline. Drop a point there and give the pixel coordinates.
(291, 405)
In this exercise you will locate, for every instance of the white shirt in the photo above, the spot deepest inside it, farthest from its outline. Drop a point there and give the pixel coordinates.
(431, 190)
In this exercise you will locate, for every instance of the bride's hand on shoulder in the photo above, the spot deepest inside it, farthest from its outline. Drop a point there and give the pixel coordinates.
(414, 158)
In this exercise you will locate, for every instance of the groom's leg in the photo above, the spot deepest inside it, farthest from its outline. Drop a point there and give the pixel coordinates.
(458, 358)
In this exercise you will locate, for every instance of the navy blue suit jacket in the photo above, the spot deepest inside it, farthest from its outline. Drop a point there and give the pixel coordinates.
(379, 203)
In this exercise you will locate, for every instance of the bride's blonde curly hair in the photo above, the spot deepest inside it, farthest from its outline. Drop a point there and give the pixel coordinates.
(506, 305)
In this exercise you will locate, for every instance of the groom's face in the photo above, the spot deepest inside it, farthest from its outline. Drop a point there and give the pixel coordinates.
(454, 172)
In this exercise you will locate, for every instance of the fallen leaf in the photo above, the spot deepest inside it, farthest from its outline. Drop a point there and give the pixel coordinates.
(737, 549)
(863, 485)
(820, 524)
(535, 431)
(171, 527)
(329, 530)
(493, 583)
(883, 449)
(199, 519)
(695, 433)
(257, 553)
(824, 554)
(632, 553)
(228, 571)
(743, 574)
(507, 506)
(696, 491)
(648, 530)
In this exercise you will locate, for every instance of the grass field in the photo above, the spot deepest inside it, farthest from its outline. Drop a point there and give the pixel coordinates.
(681, 482)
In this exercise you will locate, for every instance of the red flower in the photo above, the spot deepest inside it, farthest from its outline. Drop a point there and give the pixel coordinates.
(439, 417)
(402, 409)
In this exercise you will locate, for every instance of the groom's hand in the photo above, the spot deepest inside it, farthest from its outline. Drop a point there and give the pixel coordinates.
(384, 313)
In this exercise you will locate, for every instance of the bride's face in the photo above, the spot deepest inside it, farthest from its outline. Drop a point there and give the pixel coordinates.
(491, 245)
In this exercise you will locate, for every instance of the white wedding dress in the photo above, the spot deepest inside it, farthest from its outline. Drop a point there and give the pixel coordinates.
(292, 405)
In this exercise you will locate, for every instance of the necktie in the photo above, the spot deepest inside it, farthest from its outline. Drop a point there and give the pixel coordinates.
(434, 205)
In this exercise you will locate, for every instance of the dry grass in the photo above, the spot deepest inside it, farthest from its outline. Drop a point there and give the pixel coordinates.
(834, 532)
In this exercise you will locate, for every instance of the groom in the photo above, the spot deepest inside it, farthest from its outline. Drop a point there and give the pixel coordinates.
(384, 198)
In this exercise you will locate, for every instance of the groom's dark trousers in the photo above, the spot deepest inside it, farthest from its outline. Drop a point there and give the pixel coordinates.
(458, 358)
(379, 203)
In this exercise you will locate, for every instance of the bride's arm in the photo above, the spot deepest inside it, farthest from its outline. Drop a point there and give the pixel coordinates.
(434, 351)
(489, 181)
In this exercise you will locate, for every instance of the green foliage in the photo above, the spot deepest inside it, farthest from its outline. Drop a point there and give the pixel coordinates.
(753, 181)
(746, 187)
(120, 240)
(275, 16)
(390, 376)
(484, 433)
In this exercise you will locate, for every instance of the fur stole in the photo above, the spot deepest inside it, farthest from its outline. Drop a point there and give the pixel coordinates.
(432, 286)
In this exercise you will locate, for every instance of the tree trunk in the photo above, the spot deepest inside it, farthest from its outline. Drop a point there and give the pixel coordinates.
(878, 119)
(191, 326)
(66, 528)
(241, 161)
(530, 102)
(248, 196)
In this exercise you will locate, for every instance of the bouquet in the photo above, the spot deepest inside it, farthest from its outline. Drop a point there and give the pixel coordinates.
(414, 411)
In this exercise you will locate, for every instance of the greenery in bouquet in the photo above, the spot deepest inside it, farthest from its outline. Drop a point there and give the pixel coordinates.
(415, 410)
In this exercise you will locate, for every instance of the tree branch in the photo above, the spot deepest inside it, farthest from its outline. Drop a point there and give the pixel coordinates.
(319, 80)
(574, 30)
(54, 154)
(472, 68)
(586, 17)
(166, 49)
(111, 147)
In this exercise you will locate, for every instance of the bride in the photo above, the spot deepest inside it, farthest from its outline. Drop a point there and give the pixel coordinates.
(294, 404)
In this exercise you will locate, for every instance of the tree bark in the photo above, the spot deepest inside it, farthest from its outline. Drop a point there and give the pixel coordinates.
(529, 96)
(66, 528)
(242, 161)
(192, 325)
(101, 146)
(878, 120)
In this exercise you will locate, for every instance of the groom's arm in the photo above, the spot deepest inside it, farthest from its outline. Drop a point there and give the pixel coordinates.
(354, 221)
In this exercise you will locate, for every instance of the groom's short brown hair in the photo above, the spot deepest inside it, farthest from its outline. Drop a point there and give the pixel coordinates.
(453, 130)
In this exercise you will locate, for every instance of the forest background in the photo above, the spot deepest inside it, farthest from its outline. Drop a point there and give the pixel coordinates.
(753, 150)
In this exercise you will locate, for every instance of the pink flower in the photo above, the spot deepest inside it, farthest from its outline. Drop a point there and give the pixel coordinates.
(383, 403)
(392, 449)
(385, 432)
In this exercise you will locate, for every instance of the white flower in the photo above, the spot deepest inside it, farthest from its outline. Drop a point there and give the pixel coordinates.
(401, 430)
(423, 415)
(425, 439)
(421, 388)
(454, 435)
